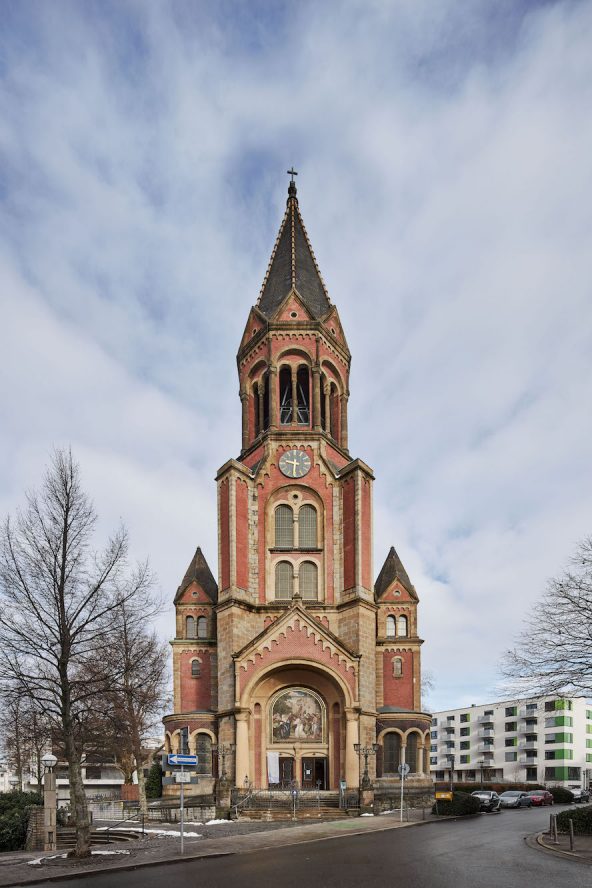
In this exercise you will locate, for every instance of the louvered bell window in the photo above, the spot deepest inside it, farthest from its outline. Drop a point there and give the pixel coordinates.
(307, 527)
(308, 576)
(284, 580)
(284, 527)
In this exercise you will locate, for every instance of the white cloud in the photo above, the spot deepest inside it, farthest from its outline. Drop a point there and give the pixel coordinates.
(445, 183)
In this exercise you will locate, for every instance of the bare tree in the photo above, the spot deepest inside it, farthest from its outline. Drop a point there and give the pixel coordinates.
(26, 734)
(137, 661)
(553, 653)
(428, 684)
(57, 599)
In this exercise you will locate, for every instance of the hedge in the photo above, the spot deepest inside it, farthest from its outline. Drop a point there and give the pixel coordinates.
(462, 804)
(581, 817)
(561, 795)
(14, 818)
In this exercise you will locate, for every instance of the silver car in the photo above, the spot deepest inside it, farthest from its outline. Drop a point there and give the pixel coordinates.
(513, 798)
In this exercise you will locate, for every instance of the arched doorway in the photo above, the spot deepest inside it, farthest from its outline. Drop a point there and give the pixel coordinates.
(297, 730)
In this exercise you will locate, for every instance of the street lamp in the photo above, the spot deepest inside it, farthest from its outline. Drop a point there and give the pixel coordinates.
(365, 751)
(481, 764)
(49, 761)
(451, 763)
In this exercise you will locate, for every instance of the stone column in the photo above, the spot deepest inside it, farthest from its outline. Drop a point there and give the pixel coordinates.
(344, 399)
(273, 398)
(352, 763)
(316, 398)
(242, 747)
(244, 396)
(294, 395)
(328, 409)
(49, 811)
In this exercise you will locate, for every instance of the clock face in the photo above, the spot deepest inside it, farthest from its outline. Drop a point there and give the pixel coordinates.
(294, 463)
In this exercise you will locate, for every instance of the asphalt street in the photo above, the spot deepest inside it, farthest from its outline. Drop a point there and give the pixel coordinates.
(484, 852)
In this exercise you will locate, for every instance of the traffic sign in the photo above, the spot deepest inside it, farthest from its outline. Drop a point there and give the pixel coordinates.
(404, 769)
(182, 777)
(444, 796)
(178, 759)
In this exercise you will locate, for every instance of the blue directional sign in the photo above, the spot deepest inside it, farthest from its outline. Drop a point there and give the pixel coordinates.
(177, 759)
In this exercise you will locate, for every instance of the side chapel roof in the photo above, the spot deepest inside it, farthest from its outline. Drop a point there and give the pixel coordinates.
(392, 570)
(199, 572)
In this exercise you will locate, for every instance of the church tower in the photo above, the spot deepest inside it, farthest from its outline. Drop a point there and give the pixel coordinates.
(294, 659)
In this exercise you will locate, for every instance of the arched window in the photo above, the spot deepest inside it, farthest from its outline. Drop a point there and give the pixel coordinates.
(411, 753)
(284, 527)
(308, 575)
(203, 748)
(190, 627)
(402, 626)
(303, 394)
(256, 408)
(307, 527)
(397, 667)
(323, 402)
(202, 627)
(265, 383)
(335, 412)
(284, 580)
(195, 668)
(392, 753)
(285, 395)
(391, 627)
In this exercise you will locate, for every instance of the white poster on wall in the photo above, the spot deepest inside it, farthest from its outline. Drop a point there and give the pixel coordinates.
(273, 767)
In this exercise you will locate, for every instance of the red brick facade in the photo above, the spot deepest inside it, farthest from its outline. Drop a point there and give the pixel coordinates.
(300, 654)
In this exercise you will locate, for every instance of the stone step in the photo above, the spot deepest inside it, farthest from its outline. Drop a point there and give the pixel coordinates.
(66, 837)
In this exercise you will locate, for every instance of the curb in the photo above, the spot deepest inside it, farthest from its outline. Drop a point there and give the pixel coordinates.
(536, 842)
(63, 877)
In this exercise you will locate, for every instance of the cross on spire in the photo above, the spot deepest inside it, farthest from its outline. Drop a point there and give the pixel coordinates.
(292, 173)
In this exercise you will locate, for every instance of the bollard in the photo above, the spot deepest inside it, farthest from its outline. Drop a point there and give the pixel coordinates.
(571, 834)
(555, 840)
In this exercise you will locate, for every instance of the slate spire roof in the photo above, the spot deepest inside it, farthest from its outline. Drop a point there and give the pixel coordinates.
(293, 267)
(199, 572)
(392, 570)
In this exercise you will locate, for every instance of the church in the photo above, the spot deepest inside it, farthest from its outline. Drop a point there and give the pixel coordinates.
(295, 667)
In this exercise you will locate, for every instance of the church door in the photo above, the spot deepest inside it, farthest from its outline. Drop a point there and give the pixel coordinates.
(314, 773)
(286, 770)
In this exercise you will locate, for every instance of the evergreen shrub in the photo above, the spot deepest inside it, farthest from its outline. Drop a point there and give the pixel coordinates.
(14, 818)
(154, 782)
(582, 820)
(561, 795)
(462, 804)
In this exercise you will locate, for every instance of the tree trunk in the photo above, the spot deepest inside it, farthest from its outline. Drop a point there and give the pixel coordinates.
(78, 800)
(141, 785)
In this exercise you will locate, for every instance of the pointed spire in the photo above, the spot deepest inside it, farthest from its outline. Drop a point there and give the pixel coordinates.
(293, 266)
(200, 573)
(392, 570)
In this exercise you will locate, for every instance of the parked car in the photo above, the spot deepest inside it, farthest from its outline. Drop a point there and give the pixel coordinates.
(513, 798)
(489, 801)
(540, 797)
(580, 795)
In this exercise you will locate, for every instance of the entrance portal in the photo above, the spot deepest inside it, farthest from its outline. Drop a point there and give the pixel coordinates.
(286, 770)
(314, 773)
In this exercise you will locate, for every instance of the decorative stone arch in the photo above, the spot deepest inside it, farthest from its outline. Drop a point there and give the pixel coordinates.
(168, 742)
(417, 735)
(333, 375)
(243, 702)
(285, 355)
(381, 741)
(257, 371)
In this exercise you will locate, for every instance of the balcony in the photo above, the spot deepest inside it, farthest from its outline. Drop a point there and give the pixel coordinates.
(527, 732)
(485, 749)
(446, 725)
(485, 720)
(528, 744)
(524, 712)
(527, 759)
(486, 732)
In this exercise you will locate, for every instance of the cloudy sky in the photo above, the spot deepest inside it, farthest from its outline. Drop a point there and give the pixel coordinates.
(444, 152)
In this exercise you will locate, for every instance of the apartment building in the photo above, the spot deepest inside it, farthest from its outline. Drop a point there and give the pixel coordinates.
(539, 740)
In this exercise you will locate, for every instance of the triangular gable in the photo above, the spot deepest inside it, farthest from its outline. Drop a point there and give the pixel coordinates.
(292, 303)
(255, 323)
(193, 594)
(397, 592)
(334, 326)
(296, 635)
(393, 571)
(198, 573)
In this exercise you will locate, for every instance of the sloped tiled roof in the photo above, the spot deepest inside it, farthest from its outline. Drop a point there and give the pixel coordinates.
(199, 572)
(392, 570)
(293, 267)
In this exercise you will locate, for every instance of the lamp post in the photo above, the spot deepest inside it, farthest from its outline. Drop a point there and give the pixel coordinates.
(451, 762)
(365, 751)
(481, 764)
(49, 762)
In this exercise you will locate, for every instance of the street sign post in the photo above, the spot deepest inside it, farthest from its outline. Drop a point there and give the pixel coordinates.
(178, 759)
(403, 770)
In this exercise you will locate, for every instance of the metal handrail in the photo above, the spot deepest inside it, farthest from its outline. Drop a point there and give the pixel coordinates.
(119, 822)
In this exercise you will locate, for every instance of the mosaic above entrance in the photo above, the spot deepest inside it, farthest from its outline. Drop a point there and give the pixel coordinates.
(297, 714)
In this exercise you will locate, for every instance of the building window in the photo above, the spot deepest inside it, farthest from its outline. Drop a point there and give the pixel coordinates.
(465, 717)
(391, 627)
(190, 631)
(411, 753)
(464, 732)
(531, 774)
(284, 580)
(392, 753)
(303, 394)
(511, 756)
(510, 711)
(402, 626)
(202, 627)
(195, 668)
(397, 667)
(203, 748)
(309, 583)
(307, 527)
(511, 726)
(284, 527)
(285, 395)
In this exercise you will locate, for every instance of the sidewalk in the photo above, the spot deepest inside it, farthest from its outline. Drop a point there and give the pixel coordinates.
(582, 851)
(16, 868)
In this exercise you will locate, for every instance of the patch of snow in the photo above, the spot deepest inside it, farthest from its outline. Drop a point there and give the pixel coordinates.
(118, 851)
(214, 822)
(367, 815)
(40, 860)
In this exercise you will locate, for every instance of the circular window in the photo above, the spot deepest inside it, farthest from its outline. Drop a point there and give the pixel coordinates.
(293, 314)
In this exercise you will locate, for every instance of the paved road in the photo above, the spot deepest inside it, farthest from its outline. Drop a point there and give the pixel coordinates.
(485, 852)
